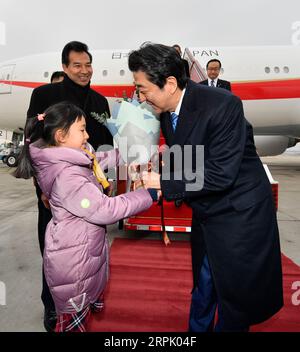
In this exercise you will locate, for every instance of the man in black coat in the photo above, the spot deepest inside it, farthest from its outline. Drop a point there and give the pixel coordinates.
(75, 88)
(213, 68)
(236, 255)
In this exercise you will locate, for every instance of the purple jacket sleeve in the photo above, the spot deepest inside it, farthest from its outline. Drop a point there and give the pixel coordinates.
(82, 198)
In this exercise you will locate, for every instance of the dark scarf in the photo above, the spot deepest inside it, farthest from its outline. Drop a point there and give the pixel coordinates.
(89, 101)
(76, 93)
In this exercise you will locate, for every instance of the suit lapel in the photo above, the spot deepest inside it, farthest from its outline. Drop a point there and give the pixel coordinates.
(185, 125)
(188, 116)
(167, 127)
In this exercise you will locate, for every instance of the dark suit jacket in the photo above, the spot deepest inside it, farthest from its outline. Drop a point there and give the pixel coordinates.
(84, 97)
(221, 83)
(234, 220)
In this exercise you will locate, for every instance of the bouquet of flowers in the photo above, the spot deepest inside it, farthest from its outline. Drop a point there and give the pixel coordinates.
(135, 128)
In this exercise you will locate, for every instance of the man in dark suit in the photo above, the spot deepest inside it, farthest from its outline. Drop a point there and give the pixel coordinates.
(75, 88)
(235, 241)
(213, 68)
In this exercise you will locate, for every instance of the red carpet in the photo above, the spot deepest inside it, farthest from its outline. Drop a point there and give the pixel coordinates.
(149, 290)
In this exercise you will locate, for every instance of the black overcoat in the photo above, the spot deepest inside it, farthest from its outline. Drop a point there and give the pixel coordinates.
(84, 97)
(234, 218)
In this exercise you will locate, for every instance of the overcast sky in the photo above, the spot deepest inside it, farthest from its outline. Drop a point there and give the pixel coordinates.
(36, 26)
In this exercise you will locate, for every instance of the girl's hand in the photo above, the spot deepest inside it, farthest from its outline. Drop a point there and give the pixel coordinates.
(133, 171)
(151, 179)
(109, 190)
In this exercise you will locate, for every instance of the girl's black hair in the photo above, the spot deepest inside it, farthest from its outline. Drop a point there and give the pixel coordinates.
(57, 116)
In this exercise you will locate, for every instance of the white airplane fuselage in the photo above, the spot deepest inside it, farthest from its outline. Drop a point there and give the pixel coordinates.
(20, 76)
(267, 79)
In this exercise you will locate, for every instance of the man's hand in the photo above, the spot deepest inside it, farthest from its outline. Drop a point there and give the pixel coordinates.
(151, 179)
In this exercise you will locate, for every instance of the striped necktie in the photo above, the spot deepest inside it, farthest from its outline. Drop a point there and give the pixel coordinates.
(212, 83)
(174, 118)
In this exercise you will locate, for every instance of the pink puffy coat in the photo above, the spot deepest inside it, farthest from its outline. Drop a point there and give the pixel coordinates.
(76, 251)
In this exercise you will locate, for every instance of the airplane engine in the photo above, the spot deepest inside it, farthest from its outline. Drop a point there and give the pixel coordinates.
(273, 145)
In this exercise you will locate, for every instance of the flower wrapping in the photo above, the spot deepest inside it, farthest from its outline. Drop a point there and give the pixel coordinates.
(136, 129)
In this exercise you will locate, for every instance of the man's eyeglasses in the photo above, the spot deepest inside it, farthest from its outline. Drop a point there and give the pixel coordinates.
(213, 69)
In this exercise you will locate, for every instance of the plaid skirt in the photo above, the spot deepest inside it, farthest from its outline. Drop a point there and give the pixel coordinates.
(78, 322)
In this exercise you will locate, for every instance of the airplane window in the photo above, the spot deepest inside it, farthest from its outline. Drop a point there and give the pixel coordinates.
(276, 69)
(286, 69)
(46, 74)
(122, 72)
(104, 73)
(267, 69)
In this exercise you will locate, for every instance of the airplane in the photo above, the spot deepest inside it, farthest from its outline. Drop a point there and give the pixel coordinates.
(266, 78)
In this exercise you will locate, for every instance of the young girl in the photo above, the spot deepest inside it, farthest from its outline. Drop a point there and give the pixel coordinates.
(76, 245)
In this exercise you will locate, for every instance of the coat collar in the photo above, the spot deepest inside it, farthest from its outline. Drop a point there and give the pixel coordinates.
(50, 162)
(188, 116)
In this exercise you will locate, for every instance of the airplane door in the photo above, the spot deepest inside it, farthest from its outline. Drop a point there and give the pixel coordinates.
(6, 74)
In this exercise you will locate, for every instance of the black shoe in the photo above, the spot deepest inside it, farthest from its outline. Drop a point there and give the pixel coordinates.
(50, 319)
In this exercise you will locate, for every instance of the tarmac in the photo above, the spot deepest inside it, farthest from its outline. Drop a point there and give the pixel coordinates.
(21, 309)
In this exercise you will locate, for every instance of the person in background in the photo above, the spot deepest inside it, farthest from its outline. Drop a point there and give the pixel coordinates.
(185, 62)
(213, 68)
(75, 88)
(76, 255)
(57, 76)
(236, 256)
